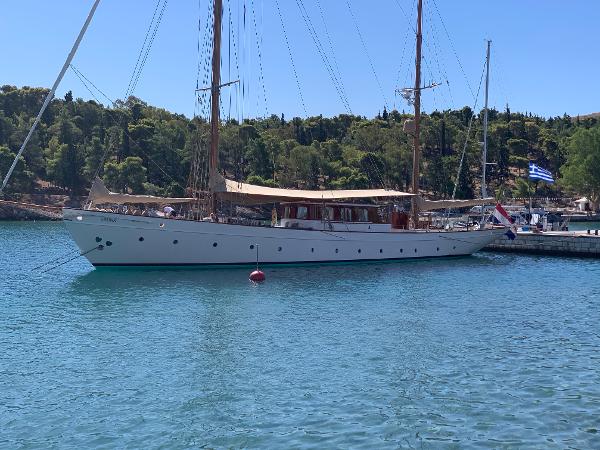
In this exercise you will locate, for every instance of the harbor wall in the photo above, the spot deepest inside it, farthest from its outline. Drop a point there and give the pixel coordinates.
(552, 243)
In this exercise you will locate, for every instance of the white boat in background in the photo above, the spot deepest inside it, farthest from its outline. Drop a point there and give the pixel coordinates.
(311, 226)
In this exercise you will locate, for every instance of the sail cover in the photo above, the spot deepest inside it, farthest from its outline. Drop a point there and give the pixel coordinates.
(431, 205)
(252, 194)
(100, 194)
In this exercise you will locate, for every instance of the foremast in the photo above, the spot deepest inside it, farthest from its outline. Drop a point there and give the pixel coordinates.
(417, 104)
(214, 121)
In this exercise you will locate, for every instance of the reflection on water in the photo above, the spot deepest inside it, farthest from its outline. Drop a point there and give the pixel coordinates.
(491, 350)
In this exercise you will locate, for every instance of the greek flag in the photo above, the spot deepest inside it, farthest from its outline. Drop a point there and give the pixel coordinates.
(537, 173)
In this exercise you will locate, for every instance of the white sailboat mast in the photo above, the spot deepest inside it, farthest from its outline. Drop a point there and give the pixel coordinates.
(50, 95)
(485, 123)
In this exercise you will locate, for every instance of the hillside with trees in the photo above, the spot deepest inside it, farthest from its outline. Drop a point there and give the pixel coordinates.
(140, 148)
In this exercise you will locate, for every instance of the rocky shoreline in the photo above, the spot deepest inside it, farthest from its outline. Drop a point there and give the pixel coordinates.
(38, 206)
(15, 211)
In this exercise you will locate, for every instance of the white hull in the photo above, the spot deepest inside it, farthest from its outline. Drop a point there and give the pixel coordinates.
(108, 239)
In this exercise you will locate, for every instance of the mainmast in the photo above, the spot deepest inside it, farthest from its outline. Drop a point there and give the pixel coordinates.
(215, 90)
(417, 102)
(485, 123)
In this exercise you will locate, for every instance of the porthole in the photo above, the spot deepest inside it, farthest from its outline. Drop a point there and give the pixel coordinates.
(108, 243)
(98, 239)
(359, 250)
(380, 250)
(401, 250)
(438, 249)
(141, 239)
(279, 249)
(337, 250)
(312, 250)
(252, 247)
(101, 247)
(454, 248)
(175, 242)
(215, 244)
(415, 250)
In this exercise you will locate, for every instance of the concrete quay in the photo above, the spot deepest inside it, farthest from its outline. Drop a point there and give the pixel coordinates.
(558, 243)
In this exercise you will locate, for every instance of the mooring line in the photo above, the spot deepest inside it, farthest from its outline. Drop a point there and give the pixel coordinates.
(54, 260)
(72, 259)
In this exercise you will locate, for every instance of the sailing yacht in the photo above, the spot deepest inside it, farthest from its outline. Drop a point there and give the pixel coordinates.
(308, 227)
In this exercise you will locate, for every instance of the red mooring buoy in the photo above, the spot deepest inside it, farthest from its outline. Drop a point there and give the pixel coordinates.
(257, 276)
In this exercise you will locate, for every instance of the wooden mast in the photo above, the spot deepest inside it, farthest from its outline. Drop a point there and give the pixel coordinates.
(215, 90)
(416, 141)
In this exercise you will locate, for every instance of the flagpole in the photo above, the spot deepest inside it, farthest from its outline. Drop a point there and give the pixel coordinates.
(529, 191)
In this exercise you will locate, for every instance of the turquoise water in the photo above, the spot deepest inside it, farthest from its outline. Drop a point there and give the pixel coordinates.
(494, 350)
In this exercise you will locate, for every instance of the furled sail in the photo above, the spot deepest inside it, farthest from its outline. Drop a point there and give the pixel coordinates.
(99, 194)
(431, 205)
(250, 194)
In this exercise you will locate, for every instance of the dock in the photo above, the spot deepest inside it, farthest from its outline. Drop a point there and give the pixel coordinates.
(559, 243)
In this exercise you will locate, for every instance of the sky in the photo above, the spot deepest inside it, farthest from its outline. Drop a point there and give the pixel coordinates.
(348, 55)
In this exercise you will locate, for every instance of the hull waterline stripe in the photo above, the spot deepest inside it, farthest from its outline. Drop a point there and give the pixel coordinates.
(302, 263)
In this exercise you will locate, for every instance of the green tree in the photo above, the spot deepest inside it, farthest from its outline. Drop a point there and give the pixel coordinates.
(22, 178)
(126, 176)
(581, 173)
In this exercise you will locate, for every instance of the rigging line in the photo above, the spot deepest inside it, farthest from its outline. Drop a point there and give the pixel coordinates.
(366, 52)
(408, 19)
(237, 62)
(313, 33)
(200, 43)
(287, 43)
(401, 62)
(409, 75)
(335, 62)
(437, 53)
(453, 48)
(497, 64)
(260, 64)
(80, 75)
(239, 87)
(229, 35)
(149, 47)
(338, 83)
(245, 64)
(434, 52)
(467, 136)
(137, 63)
(203, 67)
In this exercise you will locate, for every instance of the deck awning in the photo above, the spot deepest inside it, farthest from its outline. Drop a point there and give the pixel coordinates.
(431, 205)
(250, 194)
(99, 194)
